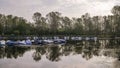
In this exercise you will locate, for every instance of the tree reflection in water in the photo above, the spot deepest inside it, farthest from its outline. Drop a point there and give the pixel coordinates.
(53, 53)
(12, 52)
(38, 53)
(87, 50)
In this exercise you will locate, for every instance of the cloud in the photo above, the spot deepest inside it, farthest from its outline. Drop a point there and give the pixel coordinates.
(117, 2)
(76, 8)
(70, 8)
(100, 0)
(50, 2)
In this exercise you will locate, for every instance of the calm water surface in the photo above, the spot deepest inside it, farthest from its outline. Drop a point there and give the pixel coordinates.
(84, 54)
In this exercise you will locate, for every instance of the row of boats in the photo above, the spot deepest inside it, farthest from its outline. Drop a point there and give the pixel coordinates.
(31, 42)
(38, 41)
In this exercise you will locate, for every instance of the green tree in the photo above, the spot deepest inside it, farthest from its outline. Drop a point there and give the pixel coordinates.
(53, 19)
(116, 10)
(66, 25)
(78, 26)
(40, 23)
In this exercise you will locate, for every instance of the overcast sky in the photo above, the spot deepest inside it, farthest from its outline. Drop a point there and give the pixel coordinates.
(70, 8)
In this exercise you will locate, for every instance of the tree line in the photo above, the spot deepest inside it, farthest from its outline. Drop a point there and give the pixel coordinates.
(56, 24)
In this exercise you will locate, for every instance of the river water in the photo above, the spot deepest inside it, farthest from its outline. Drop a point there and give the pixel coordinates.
(83, 54)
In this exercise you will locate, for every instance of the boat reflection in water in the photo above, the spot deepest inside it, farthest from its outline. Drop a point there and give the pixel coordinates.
(83, 54)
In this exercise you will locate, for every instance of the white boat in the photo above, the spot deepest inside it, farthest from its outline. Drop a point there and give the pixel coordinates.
(66, 37)
(2, 42)
(95, 38)
(48, 41)
(22, 42)
(87, 38)
(25, 42)
(76, 38)
(28, 42)
(60, 41)
(79, 38)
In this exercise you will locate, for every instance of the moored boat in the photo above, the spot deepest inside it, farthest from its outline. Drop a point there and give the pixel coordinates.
(60, 41)
(2, 43)
(48, 41)
(11, 43)
(37, 42)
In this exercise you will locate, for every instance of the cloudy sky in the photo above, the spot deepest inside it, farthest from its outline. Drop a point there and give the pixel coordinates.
(70, 8)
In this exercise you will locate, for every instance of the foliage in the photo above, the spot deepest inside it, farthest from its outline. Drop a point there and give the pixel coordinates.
(56, 24)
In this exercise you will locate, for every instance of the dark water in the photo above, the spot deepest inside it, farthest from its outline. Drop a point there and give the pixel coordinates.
(83, 54)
